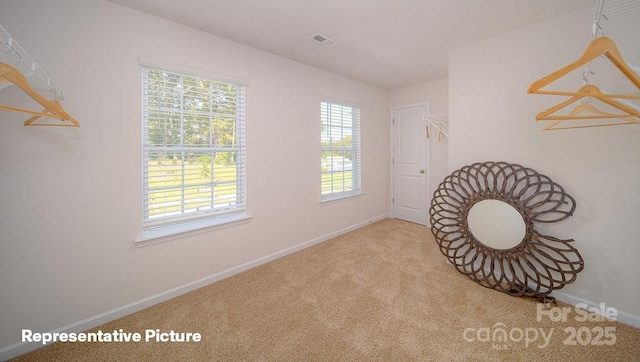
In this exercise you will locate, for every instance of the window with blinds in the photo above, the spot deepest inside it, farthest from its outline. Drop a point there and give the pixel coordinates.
(340, 151)
(193, 148)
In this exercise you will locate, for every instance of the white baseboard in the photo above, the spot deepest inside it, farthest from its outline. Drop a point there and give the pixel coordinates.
(621, 317)
(17, 349)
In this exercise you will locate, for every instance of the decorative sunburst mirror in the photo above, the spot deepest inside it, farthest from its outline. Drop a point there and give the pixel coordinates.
(483, 217)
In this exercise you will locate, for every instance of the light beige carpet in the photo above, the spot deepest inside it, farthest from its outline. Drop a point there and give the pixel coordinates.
(380, 293)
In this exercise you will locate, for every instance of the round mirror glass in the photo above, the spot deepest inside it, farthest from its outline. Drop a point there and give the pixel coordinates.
(496, 224)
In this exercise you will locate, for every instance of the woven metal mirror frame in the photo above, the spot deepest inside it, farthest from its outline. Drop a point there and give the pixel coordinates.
(539, 263)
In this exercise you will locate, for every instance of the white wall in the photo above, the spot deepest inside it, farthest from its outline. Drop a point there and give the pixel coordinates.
(70, 198)
(437, 94)
(492, 118)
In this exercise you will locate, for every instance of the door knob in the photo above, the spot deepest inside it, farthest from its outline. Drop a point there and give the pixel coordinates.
(422, 171)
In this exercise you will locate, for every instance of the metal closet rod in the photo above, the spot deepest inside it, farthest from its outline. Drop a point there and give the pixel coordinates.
(12, 49)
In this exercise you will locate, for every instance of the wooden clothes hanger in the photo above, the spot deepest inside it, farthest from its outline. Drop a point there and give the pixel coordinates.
(599, 46)
(596, 114)
(585, 111)
(441, 134)
(588, 90)
(52, 109)
(432, 121)
(629, 115)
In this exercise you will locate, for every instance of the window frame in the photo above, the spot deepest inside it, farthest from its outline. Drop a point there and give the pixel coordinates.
(198, 221)
(354, 149)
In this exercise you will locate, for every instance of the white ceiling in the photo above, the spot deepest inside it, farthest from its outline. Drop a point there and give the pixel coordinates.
(385, 43)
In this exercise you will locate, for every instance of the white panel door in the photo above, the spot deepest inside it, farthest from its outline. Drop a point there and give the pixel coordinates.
(410, 174)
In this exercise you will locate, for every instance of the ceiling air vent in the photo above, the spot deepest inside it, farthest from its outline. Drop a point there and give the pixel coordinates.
(324, 40)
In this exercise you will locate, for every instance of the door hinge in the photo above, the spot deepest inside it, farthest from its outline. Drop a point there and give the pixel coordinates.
(393, 200)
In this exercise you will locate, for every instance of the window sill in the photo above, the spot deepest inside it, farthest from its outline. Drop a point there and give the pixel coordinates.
(341, 197)
(173, 232)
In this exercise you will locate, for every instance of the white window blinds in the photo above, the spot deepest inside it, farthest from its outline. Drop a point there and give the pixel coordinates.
(193, 148)
(340, 150)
